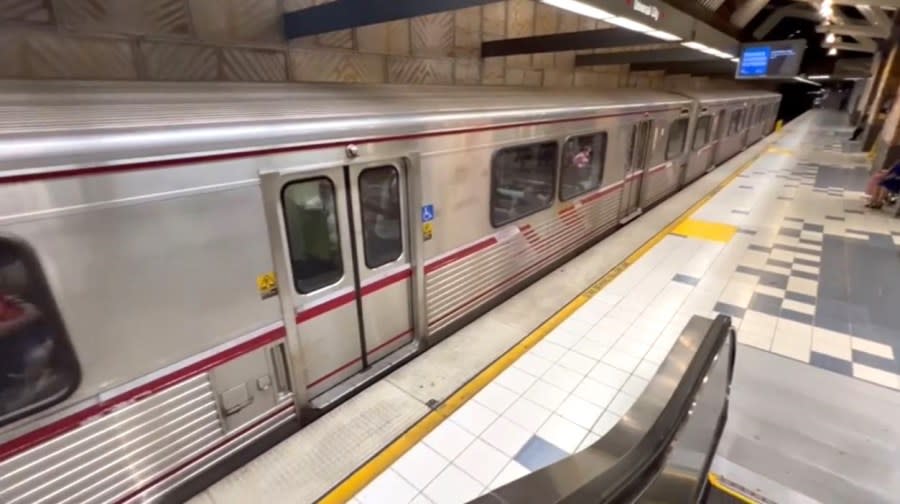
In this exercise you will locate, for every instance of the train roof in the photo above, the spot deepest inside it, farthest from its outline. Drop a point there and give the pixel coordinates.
(68, 124)
(727, 95)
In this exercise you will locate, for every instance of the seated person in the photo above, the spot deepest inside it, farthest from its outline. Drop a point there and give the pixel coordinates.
(882, 184)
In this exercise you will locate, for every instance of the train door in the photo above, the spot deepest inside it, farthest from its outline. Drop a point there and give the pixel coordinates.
(638, 155)
(745, 126)
(720, 128)
(339, 241)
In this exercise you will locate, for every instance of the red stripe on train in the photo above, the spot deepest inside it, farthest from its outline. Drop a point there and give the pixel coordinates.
(38, 436)
(344, 367)
(460, 254)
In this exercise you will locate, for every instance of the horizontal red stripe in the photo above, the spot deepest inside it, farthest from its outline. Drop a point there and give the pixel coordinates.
(69, 423)
(601, 193)
(344, 367)
(327, 306)
(386, 281)
(180, 467)
(168, 163)
(460, 254)
(657, 167)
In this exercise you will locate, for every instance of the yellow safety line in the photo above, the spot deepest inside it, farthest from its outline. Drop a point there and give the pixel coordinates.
(345, 490)
(717, 483)
(705, 230)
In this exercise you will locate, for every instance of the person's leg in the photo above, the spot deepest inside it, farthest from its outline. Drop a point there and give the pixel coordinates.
(878, 198)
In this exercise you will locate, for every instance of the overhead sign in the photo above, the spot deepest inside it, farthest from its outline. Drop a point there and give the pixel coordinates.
(770, 60)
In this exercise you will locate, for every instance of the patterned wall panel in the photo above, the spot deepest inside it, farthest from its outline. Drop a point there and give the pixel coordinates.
(546, 19)
(253, 65)
(25, 10)
(124, 16)
(520, 18)
(543, 60)
(565, 60)
(467, 23)
(406, 70)
(493, 70)
(237, 20)
(586, 78)
(432, 35)
(336, 66)
(558, 78)
(42, 54)
(384, 38)
(568, 22)
(493, 21)
(586, 23)
(173, 61)
(518, 61)
(467, 71)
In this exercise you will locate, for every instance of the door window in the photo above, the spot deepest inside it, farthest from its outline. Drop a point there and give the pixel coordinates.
(379, 196)
(38, 367)
(677, 138)
(522, 181)
(312, 233)
(735, 124)
(701, 133)
(582, 165)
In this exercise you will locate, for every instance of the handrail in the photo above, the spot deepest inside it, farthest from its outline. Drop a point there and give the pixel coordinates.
(661, 449)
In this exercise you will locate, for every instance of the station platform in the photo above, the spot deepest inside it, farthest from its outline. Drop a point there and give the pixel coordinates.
(777, 238)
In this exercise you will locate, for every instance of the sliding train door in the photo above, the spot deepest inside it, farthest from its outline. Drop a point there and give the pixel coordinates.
(339, 241)
(640, 142)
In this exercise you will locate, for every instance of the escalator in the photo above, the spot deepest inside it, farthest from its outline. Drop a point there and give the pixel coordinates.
(662, 449)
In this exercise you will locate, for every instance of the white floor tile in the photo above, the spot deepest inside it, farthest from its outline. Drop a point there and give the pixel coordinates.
(806, 269)
(621, 360)
(635, 386)
(420, 465)
(876, 376)
(633, 348)
(793, 344)
(803, 286)
(527, 414)
(591, 348)
(563, 337)
(797, 306)
(387, 488)
(646, 369)
(577, 362)
(564, 378)
(575, 326)
(421, 499)
(595, 392)
(770, 291)
(756, 337)
(510, 473)
(737, 294)
(506, 436)
(608, 327)
(482, 461)
(496, 397)
(474, 417)
(832, 343)
(621, 403)
(777, 269)
(453, 486)
(608, 375)
(532, 364)
(548, 350)
(606, 422)
(563, 433)
(448, 439)
(588, 440)
(745, 278)
(752, 317)
(516, 380)
(872, 347)
(548, 396)
(579, 411)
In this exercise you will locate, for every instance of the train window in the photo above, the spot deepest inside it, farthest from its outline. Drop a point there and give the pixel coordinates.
(735, 124)
(677, 138)
(582, 165)
(701, 133)
(311, 220)
(379, 197)
(38, 367)
(522, 181)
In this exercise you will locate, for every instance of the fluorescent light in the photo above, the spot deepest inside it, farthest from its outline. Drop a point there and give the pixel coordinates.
(825, 9)
(580, 8)
(818, 77)
(832, 51)
(628, 24)
(735, 60)
(697, 46)
(662, 35)
(801, 79)
(830, 38)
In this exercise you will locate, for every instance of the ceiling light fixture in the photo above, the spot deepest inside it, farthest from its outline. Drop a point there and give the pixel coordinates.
(832, 51)
(830, 38)
(818, 77)
(662, 35)
(801, 79)
(628, 24)
(825, 10)
(580, 8)
(735, 60)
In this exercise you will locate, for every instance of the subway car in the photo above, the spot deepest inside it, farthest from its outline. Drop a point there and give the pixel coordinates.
(185, 268)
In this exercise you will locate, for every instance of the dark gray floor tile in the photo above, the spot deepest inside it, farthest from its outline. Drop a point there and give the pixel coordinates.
(802, 298)
(796, 316)
(729, 309)
(818, 228)
(774, 280)
(747, 231)
(852, 179)
(850, 210)
(830, 363)
(807, 241)
(858, 231)
(538, 453)
(876, 332)
(785, 198)
(796, 250)
(832, 323)
(793, 219)
(807, 262)
(832, 217)
(760, 248)
(789, 232)
(687, 279)
(749, 270)
(745, 187)
(741, 212)
(779, 263)
(770, 305)
(876, 362)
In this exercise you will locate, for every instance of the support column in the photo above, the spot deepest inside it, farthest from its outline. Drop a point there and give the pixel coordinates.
(887, 144)
(885, 91)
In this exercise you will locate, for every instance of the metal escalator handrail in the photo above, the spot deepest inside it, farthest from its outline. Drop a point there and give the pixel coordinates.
(625, 462)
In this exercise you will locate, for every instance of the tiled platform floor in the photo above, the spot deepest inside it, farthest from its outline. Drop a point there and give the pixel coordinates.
(791, 254)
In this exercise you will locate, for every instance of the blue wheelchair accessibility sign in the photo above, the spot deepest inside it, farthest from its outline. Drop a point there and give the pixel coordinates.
(427, 213)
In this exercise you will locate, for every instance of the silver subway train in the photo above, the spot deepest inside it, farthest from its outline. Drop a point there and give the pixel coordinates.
(186, 268)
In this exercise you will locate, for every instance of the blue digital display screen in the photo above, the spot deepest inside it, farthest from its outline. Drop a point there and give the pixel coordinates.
(771, 60)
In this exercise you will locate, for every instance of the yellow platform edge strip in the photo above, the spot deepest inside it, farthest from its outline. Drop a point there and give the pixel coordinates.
(349, 487)
(727, 490)
(705, 230)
